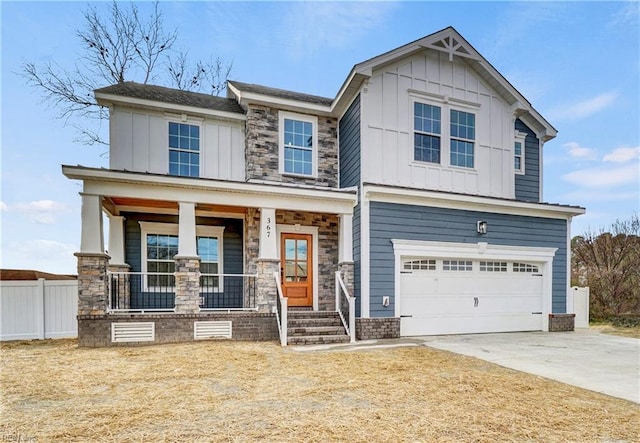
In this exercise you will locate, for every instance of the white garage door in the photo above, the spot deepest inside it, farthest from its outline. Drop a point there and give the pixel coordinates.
(463, 296)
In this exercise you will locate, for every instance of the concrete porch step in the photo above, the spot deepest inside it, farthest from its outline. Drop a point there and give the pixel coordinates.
(314, 322)
(312, 314)
(317, 339)
(315, 330)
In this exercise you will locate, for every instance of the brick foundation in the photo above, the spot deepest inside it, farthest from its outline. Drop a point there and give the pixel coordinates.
(95, 330)
(561, 322)
(377, 328)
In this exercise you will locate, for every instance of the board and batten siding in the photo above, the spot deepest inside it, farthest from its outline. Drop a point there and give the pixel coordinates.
(232, 242)
(349, 146)
(140, 142)
(528, 184)
(395, 221)
(387, 126)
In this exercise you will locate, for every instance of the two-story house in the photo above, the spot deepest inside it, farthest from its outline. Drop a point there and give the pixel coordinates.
(411, 202)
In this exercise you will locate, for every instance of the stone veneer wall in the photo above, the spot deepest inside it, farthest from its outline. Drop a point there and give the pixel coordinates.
(95, 330)
(251, 240)
(327, 225)
(187, 284)
(92, 283)
(377, 328)
(262, 150)
(561, 322)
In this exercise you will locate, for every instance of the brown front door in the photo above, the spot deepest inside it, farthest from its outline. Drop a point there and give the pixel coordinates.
(296, 269)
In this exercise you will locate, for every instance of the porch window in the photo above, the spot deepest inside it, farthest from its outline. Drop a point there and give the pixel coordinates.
(298, 146)
(184, 150)
(160, 246)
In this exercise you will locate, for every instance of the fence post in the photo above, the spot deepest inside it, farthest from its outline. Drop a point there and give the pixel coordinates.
(40, 309)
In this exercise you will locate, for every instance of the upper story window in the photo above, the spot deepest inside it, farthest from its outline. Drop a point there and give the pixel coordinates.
(443, 134)
(298, 147)
(184, 149)
(427, 127)
(518, 152)
(463, 134)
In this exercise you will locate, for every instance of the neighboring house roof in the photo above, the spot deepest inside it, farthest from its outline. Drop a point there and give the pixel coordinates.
(169, 95)
(28, 274)
(281, 93)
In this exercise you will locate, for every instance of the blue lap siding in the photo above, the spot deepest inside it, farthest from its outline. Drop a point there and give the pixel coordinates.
(395, 221)
(528, 184)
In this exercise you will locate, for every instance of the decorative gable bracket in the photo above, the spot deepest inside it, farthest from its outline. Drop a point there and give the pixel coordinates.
(452, 46)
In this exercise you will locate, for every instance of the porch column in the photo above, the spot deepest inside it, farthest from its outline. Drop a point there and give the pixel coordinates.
(345, 238)
(268, 261)
(116, 240)
(92, 260)
(187, 262)
(120, 279)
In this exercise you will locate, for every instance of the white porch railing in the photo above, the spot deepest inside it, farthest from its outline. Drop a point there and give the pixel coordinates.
(346, 304)
(281, 310)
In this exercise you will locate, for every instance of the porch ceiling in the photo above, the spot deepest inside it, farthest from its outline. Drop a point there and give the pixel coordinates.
(115, 205)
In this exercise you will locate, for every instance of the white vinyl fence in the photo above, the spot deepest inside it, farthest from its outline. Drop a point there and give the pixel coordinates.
(578, 300)
(38, 309)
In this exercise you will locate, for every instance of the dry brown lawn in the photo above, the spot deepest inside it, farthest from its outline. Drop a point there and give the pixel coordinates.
(623, 331)
(237, 392)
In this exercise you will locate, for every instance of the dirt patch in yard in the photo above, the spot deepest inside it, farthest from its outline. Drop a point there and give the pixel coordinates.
(234, 391)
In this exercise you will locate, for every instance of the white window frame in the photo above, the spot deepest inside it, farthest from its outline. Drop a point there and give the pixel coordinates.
(191, 122)
(147, 228)
(282, 115)
(519, 137)
(446, 105)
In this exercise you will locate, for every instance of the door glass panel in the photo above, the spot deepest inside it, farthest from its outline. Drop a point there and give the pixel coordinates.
(290, 271)
(290, 248)
(302, 271)
(302, 249)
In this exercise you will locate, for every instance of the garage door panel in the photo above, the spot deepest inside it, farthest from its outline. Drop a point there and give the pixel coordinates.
(491, 298)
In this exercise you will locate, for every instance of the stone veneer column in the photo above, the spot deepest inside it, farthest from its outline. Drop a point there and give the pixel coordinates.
(93, 290)
(346, 271)
(122, 282)
(267, 292)
(187, 284)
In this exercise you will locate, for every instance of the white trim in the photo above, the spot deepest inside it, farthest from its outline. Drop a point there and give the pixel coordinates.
(540, 170)
(244, 97)
(520, 137)
(475, 251)
(419, 197)
(282, 115)
(568, 309)
(232, 193)
(299, 229)
(365, 261)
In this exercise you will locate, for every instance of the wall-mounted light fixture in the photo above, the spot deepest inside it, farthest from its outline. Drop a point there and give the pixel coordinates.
(482, 227)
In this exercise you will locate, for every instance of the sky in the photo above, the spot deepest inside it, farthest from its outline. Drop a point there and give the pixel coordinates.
(578, 63)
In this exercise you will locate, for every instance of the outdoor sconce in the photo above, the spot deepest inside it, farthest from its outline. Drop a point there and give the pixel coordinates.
(482, 227)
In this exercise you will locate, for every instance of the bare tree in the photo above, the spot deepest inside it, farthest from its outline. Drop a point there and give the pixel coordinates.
(119, 46)
(609, 263)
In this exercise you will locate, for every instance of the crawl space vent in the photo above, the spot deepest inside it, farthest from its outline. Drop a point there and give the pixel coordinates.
(133, 332)
(211, 329)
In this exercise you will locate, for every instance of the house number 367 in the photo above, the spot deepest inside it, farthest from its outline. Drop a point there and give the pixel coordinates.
(268, 227)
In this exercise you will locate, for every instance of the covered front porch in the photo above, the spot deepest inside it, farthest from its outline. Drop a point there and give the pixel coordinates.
(180, 246)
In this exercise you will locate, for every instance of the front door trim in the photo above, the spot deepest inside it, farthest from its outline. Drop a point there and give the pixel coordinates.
(313, 231)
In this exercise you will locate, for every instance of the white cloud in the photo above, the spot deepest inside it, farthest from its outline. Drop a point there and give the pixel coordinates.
(626, 17)
(622, 155)
(40, 211)
(3, 206)
(577, 151)
(597, 196)
(42, 255)
(605, 177)
(584, 108)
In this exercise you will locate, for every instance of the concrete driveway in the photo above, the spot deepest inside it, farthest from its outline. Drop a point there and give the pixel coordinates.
(584, 358)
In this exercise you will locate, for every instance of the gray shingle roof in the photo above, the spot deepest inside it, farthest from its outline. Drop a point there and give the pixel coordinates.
(173, 96)
(281, 93)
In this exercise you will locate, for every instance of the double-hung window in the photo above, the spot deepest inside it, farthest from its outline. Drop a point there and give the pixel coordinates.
(160, 246)
(518, 152)
(427, 123)
(184, 150)
(298, 146)
(463, 134)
